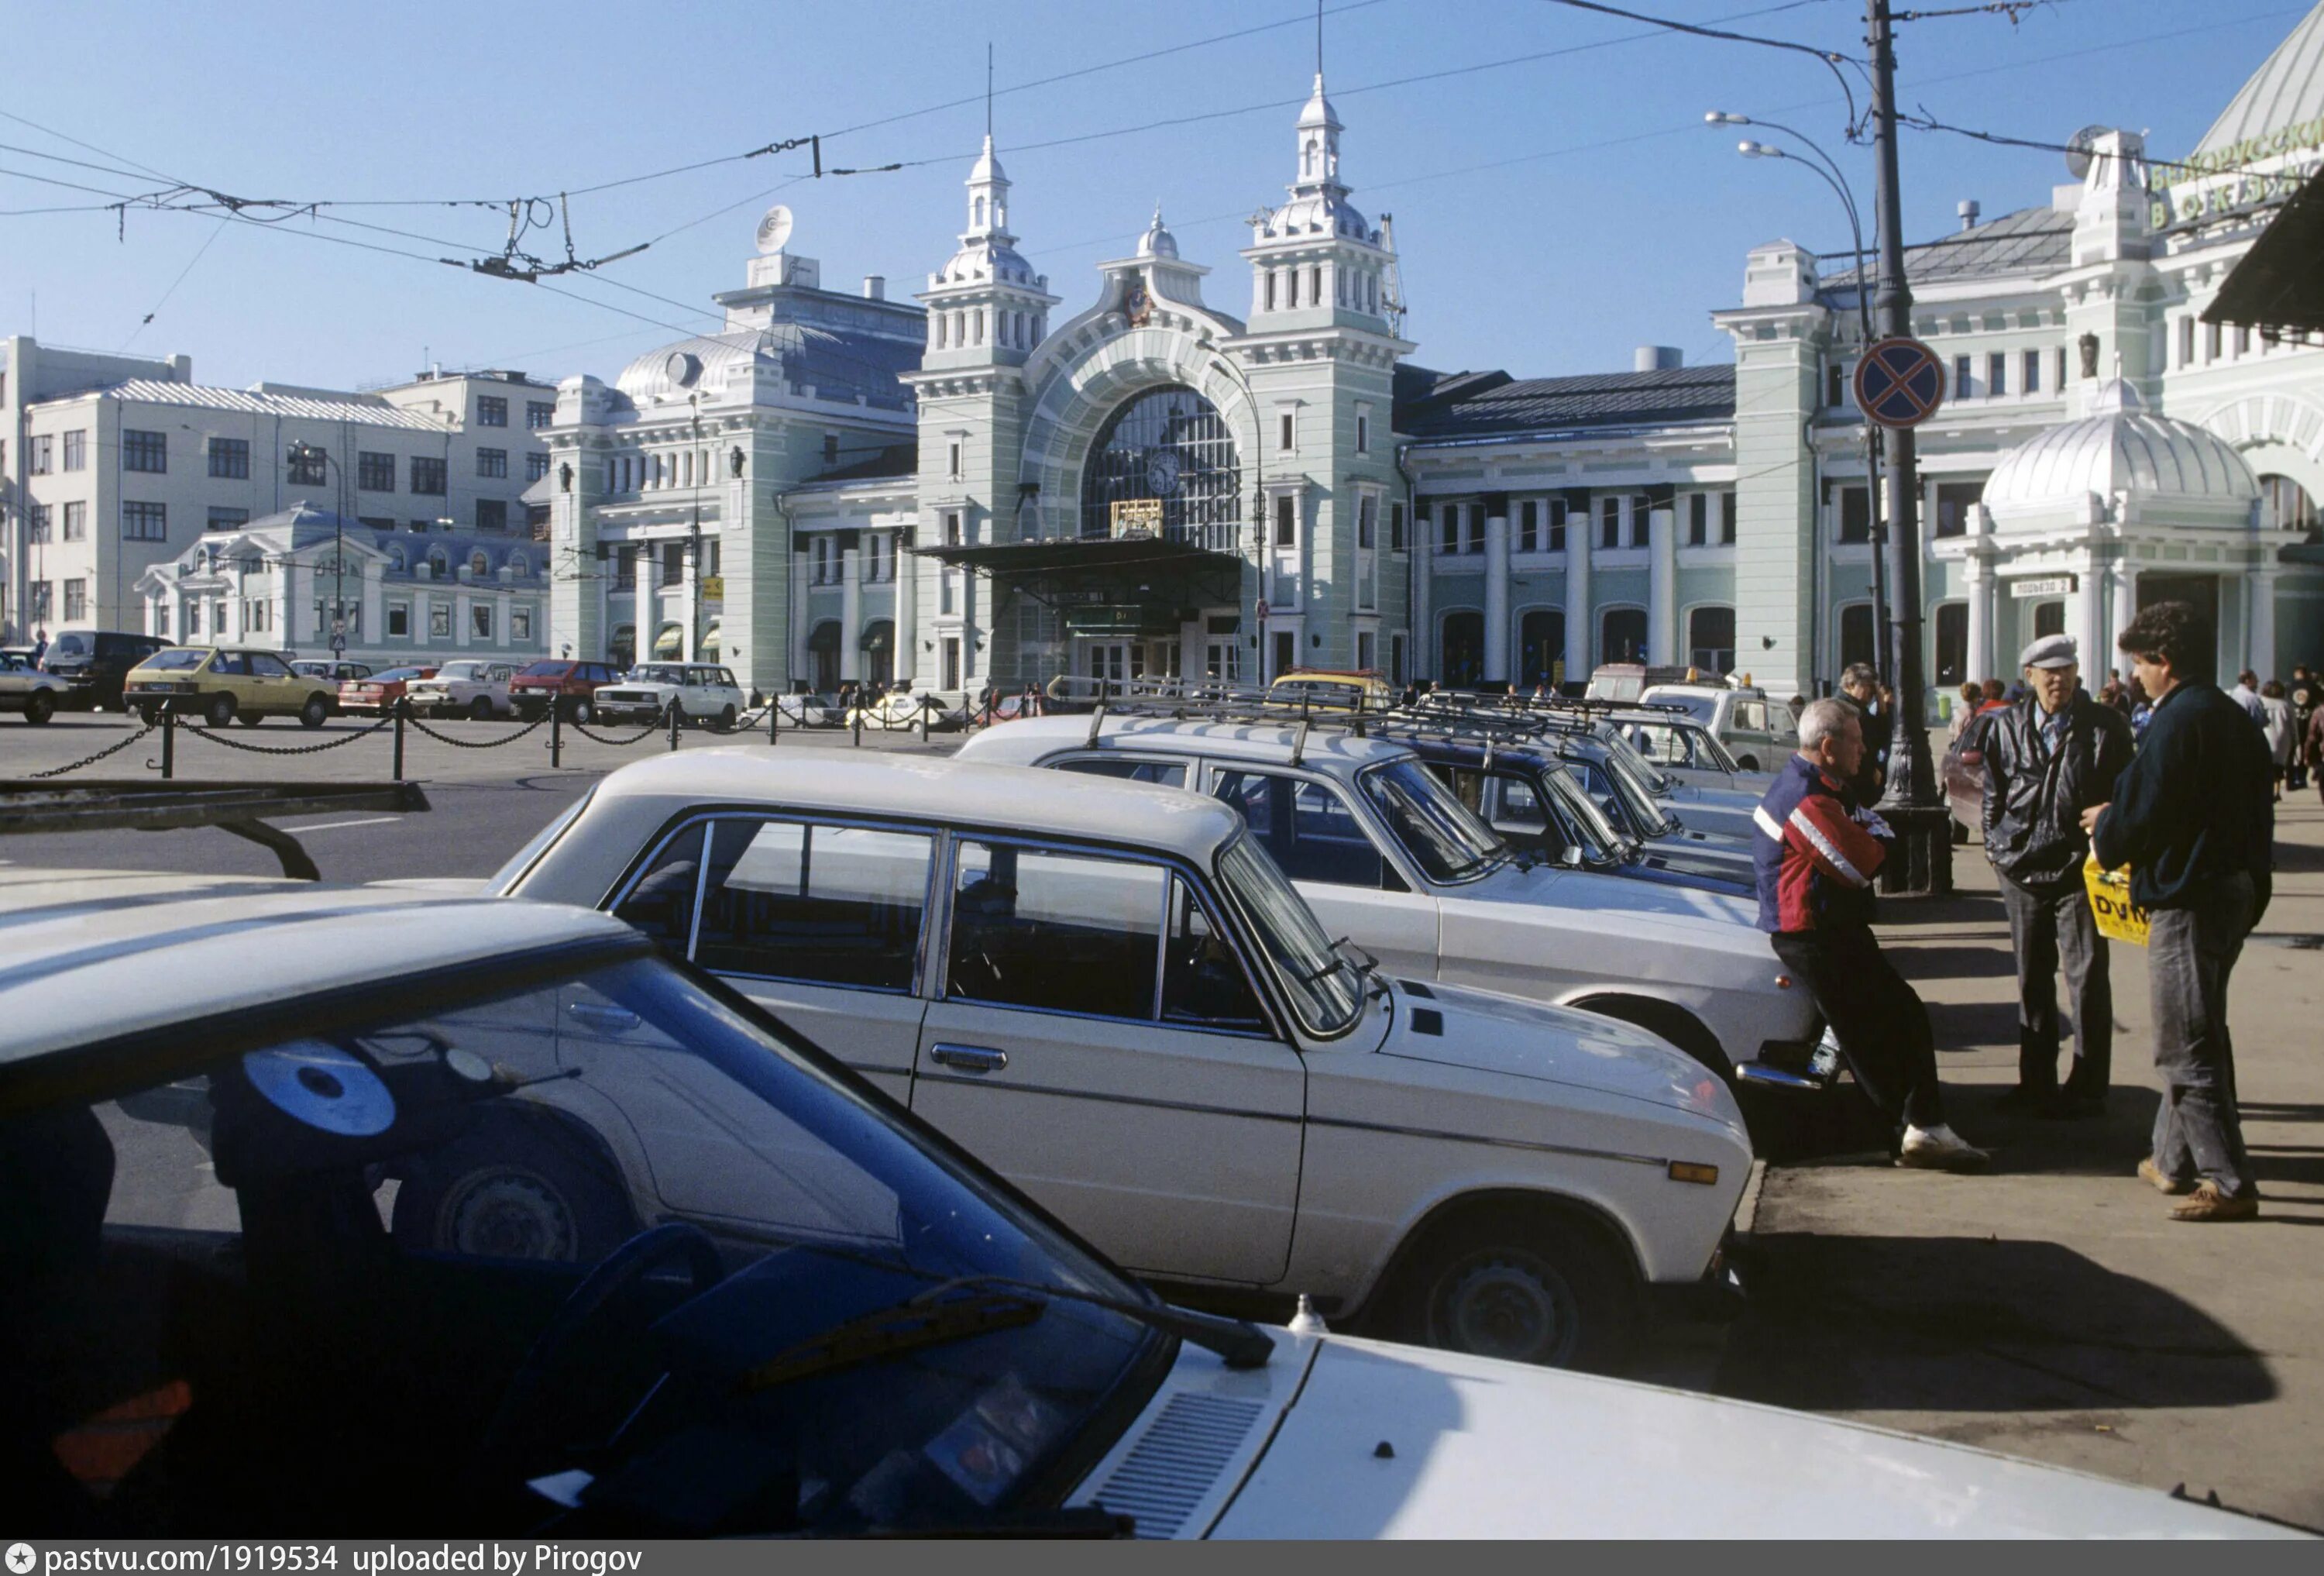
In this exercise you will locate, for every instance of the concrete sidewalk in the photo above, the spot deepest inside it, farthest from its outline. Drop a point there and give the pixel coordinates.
(2052, 1308)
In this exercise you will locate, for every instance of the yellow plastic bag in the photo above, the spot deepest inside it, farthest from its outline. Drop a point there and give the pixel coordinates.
(2119, 918)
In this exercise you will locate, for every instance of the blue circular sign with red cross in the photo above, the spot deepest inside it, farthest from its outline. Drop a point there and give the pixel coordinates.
(1899, 383)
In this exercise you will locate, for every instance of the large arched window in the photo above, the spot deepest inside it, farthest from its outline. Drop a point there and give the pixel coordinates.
(2285, 505)
(1711, 639)
(1622, 635)
(1163, 464)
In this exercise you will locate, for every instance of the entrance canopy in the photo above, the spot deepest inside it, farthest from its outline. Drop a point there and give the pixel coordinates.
(1110, 585)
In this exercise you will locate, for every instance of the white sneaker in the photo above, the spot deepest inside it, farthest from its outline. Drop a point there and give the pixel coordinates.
(1939, 1148)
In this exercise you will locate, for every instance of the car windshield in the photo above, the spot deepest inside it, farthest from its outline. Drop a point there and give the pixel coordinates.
(70, 645)
(1628, 779)
(178, 659)
(1325, 992)
(1444, 836)
(396, 675)
(547, 670)
(655, 673)
(1602, 841)
(585, 1220)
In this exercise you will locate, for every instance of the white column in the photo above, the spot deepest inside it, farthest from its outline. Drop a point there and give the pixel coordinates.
(851, 613)
(800, 667)
(2126, 608)
(908, 612)
(2259, 623)
(1579, 639)
(1662, 586)
(1497, 592)
(1424, 661)
(1979, 656)
(2089, 613)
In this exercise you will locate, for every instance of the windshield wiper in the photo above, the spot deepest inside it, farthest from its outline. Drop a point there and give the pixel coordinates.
(920, 1321)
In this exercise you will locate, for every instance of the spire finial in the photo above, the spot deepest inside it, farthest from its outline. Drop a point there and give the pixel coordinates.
(1319, 40)
(988, 92)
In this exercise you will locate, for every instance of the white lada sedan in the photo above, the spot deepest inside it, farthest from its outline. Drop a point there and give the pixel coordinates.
(280, 1249)
(1392, 859)
(1111, 996)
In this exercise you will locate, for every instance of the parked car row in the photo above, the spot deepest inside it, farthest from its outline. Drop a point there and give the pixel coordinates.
(589, 1243)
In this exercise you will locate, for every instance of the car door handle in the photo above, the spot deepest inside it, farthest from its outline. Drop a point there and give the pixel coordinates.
(969, 1058)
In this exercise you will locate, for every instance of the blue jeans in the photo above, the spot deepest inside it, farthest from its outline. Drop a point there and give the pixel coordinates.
(2191, 953)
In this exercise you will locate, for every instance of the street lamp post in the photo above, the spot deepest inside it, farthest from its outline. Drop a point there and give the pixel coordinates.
(1826, 169)
(1922, 861)
(301, 453)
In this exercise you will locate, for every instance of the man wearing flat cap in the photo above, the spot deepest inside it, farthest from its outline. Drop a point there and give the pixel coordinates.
(2048, 758)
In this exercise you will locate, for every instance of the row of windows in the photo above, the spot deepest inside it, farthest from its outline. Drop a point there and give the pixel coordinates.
(629, 556)
(41, 452)
(2219, 343)
(1622, 638)
(1540, 524)
(150, 522)
(826, 566)
(632, 473)
(1850, 510)
(492, 410)
(2035, 372)
(1286, 431)
(257, 618)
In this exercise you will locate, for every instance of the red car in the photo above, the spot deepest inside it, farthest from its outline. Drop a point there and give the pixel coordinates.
(380, 690)
(566, 685)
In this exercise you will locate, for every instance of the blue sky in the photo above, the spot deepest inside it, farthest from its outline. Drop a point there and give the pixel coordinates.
(1553, 210)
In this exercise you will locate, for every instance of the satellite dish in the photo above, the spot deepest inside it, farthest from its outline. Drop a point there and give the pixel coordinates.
(774, 230)
(2078, 149)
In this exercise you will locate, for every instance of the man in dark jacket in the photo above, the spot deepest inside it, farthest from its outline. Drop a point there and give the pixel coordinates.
(1859, 688)
(1816, 855)
(2047, 759)
(2194, 817)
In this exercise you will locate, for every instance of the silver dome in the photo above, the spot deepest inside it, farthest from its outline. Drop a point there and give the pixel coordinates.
(2121, 448)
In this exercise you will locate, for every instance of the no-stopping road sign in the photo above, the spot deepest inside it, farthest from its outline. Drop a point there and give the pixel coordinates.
(1899, 383)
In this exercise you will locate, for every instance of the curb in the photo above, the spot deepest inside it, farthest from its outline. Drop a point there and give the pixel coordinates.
(1747, 1212)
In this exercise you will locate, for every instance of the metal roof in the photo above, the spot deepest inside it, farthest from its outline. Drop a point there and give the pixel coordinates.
(2035, 240)
(2287, 88)
(313, 408)
(839, 363)
(1471, 405)
(2277, 283)
(2121, 448)
(896, 459)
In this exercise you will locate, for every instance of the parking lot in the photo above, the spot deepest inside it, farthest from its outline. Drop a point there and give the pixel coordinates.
(2049, 1309)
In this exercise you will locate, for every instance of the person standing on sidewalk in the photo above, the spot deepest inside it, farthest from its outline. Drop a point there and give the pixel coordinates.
(2306, 697)
(1815, 861)
(2193, 819)
(2046, 761)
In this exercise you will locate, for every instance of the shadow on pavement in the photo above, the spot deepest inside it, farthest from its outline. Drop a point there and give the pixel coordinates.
(1985, 960)
(1971, 1324)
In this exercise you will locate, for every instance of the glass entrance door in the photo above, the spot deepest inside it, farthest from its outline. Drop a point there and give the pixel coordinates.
(1114, 660)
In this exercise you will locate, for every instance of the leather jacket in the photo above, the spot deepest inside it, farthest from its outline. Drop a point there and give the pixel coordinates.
(2033, 800)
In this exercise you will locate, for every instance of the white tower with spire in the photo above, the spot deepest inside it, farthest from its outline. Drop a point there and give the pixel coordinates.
(1321, 356)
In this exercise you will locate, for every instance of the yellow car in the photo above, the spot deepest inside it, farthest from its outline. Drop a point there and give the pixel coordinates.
(224, 683)
(1327, 689)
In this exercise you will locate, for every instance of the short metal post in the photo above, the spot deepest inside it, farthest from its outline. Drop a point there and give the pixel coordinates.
(774, 718)
(169, 740)
(556, 735)
(673, 726)
(403, 710)
(855, 716)
(928, 704)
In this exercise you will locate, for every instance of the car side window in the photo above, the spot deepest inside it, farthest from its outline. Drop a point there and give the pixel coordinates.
(230, 665)
(1055, 932)
(661, 902)
(1168, 773)
(1306, 825)
(266, 667)
(1751, 715)
(1203, 984)
(826, 904)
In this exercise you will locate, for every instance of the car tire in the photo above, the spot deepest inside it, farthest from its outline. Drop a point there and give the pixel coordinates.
(250, 719)
(1523, 1284)
(219, 710)
(480, 710)
(726, 720)
(151, 716)
(518, 1188)
(584, 711)
(315, 712)
(39, 707)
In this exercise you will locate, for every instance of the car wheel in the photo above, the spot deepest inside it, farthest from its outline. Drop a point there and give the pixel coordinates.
(481, 709)
(726, 720)
(585, 711)
(514, 1189)
(1518, 1286)
(152, 715)
(1747, 763)
(313, 713)
(250, 719)
(219, 710)
(39, 707)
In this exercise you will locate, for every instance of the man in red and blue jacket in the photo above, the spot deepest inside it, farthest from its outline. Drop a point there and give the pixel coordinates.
(1815, 858)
